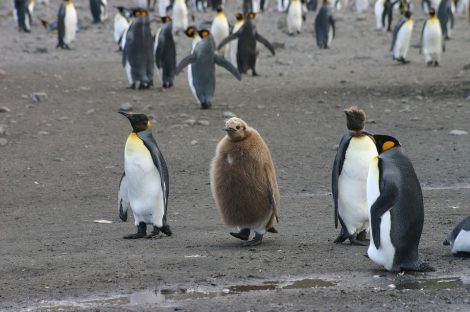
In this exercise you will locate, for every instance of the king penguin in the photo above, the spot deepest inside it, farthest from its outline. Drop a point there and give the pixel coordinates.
(234, 43)
(396, 210)
(459, 239)
(137, 57)
(121, 24)
(402, 37)
(220, 29)
(247, 51)
(445, 14)
(243, 182)
(144, 185)
(324, 26)
(180, 16)
(165, 53)
(98, 10)
(432, 43)
(202, 60)
(67, 24)
(294, 17)
(22, 15)
(349, 179)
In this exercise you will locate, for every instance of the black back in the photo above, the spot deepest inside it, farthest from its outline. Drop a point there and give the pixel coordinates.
(400, 23)
(165, 55)
(322, 25)
(444, 14)
(336, 172)
(23, 15)
(95, 7)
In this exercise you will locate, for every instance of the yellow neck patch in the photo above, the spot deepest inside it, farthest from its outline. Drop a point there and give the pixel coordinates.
(388, 145)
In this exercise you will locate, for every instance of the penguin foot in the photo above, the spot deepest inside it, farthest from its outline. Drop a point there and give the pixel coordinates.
(166, 230)
(257, 240)
(402, 60)
(167, 84)
(272, 230)
(354, 241)
(362, 236)
(132, 86)
(430, 63)
(141, 232)
(343, 235)
(206, 105)
(155, 233)
(436, 64)
(244, 234)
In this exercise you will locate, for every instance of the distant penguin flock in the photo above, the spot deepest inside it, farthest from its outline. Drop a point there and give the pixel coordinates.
(375, 189)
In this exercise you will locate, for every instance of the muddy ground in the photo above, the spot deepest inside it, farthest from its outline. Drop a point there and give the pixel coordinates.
(63, 159)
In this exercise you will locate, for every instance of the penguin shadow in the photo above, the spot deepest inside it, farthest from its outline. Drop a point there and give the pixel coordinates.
(267, 244)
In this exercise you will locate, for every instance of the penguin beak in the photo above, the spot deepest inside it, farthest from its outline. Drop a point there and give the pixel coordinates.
(127, 115)
(229, 129)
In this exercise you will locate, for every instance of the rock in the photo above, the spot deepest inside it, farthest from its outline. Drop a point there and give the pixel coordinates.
(189, 122)
(419, 97)
(90, 111)
(388, 110)
(203, 122)
(193, 142)
(415, 118)
(41, 133)
(228, 115)
(85, 88)
(3, 141)
(405, 109)
(59, 159)
(4, 109)
(260, 106)
(458, 132)
(39, 97)
(126, 107)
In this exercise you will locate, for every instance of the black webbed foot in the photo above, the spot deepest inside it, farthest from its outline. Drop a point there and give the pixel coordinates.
(257, 240)
(141, 232)
(244, 234)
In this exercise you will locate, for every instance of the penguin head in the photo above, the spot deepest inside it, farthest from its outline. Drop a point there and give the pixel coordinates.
(236, 129)
(166, 19)
(139, 122)
(432, 12)
(220, 9)
(191, 31)
(251, 15)
(139, 12)
(239, 17)
(203, 33)
(355, 118)
(408, 14)
(121, 9)
(385, 142)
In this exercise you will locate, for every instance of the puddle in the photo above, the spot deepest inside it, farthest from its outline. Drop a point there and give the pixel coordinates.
(166, 297)
(428, 284)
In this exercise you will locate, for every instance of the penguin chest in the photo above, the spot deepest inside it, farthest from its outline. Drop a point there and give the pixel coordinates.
(180, 15)
(219, 29)
(462, 242)
(432, 37)
(120, 26)
(385, 254)
(144, 181)
(295, 12)
(404, 34)
(352, 183)
(70, 22)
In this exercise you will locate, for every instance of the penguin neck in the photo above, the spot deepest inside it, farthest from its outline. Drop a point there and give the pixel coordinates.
(355, 133)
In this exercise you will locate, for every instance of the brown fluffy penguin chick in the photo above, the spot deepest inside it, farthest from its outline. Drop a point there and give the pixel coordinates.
(243, 182)
(355, 118)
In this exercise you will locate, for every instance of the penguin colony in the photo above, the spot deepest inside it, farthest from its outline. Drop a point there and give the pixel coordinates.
(375, 188)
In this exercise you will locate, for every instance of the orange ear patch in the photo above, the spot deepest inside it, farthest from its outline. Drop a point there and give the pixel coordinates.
(149, 124)
(251, 15)
(388, 145)
(204, 33)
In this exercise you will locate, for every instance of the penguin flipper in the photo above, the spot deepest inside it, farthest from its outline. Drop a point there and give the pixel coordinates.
(185, 62)
(337, 168)
(123, 199)
(386, 200)
(401, 22)
(159, 162)
(422, 33)
(228, 39)
(332, 24)
(222, 62)
(266, 43)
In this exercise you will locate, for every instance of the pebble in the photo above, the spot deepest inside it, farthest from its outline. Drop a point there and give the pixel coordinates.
(203, 122)
(335, 147)
(260, 106)
(85, 88)
(4, 109)
(59, 159)
(90, 111)
(415, 118)
(38, 97)
(148, 107)
(228, 115)
(3, 141)
(63, 118)
(3, 129)
(43, 133)
(388, 110)
(127, 107)
(2, 72)
(458, 132)
(194, 142)
(419, 98)
(189, 122)
(405, 109)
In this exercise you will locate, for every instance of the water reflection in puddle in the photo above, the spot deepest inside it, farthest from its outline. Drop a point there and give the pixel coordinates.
(165, 296)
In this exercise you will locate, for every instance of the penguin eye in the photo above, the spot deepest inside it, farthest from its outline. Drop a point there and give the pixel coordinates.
(238, 127)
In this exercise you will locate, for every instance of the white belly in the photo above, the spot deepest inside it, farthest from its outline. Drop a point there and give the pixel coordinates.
(432, 39)
(352, 184)
(180, 16)
(462, 242)
(378, 11)
(294, 17)
(70, 23)
(219, 30)
(120, 26)
(144, 186)
(386, 252)
(403, 40)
